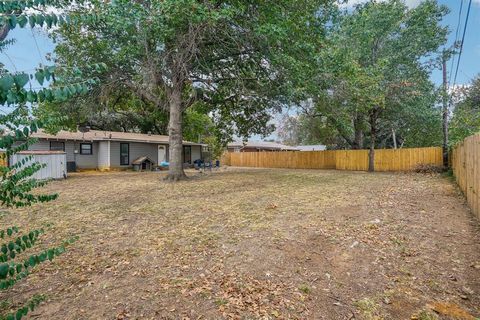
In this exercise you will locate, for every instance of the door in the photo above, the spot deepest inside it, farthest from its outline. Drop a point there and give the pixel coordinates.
(161, 154)
(187, 154)
(124, 154)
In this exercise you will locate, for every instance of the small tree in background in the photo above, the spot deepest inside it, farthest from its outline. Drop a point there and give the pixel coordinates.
(466, 115)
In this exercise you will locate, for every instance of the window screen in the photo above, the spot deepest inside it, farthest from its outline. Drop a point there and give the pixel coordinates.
(57, 146)
(86, 148)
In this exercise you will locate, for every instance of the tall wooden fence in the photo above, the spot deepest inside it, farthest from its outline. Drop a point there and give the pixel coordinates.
(466, 168)
(385, 160)
(284, 159)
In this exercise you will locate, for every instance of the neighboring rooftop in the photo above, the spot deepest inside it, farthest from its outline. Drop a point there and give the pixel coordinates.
(263, 145)
(312, 147)
(98, 135)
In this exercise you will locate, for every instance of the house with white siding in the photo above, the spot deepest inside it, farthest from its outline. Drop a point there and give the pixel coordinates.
(105, 150)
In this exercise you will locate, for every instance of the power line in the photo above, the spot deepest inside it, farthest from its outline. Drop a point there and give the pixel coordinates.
(38, 48)
(461, 44)
(11, 61)
(456, 39)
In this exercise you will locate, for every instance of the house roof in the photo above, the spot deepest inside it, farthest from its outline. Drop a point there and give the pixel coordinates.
(98, 135)
(261, 145)
(31, 152)
(312, 147)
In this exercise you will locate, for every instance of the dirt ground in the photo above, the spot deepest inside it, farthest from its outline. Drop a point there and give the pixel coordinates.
(255, 244)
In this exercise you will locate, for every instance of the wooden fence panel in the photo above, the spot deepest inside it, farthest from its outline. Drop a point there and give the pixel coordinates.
(284, 159)
(407, 159)
(466, 168)
(357, 160)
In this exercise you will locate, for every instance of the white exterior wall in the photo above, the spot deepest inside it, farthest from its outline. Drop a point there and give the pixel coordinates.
(106, 154)
(136, 150)
(86, 161)
(56, 165)
(44, 145)
(196, 153)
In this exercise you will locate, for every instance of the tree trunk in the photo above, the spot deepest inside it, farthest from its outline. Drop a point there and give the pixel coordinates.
(175, 137)
(373, 137)
(358, 139)
(394, 138)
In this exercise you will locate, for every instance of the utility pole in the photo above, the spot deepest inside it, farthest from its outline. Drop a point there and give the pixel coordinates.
(445, 110)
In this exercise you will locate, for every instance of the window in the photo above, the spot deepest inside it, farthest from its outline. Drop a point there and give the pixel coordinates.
(57, 146)
(187, 154)
(124, 154)
(86, 148)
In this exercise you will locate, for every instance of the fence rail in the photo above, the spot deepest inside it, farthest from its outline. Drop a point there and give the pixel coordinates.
(466, 168)
(356, 160)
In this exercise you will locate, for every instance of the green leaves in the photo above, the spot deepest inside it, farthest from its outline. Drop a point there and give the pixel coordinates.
(17, 187)
(11, 272)
(6, 82)
(8, 232)
(45, 74)
(17, 184)
(375, 65)
(12, 21)
(31, 305)
(20, 244)
(4, 267)
(21, 80)
(22, 21)
(33, 20)
(466, 115)
(40, 76)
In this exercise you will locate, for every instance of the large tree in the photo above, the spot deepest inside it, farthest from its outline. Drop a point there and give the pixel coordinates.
(376, 65)
(466, 113)
(236, 57)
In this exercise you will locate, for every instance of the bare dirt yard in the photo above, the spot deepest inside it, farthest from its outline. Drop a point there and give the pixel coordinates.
(255, 244)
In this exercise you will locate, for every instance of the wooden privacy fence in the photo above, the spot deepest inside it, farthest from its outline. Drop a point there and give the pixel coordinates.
(466, 168)
(355, 160)
(284, 159)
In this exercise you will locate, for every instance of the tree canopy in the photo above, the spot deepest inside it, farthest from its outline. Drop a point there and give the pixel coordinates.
(237, 58)
(466, 113)
(373, 75)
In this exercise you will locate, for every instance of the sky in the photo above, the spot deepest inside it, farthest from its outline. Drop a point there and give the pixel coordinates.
(32, 46)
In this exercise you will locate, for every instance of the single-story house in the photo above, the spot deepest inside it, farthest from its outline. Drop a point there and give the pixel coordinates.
(312, 147)
(105, 150)
(257, 146)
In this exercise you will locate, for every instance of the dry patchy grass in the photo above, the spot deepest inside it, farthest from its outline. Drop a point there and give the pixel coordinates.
(255, 243)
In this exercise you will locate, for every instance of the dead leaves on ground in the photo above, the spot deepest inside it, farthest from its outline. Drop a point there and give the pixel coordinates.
(451, 310)
(238, 296)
